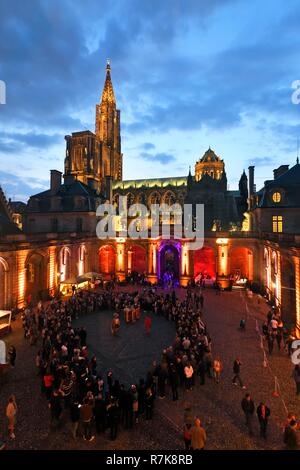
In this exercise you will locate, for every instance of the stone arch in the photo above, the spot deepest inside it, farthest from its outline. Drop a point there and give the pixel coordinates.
(205, 263)
(169, 198)
(82, 259)
(107, 259)
(137, 255)
(288, 289)
(65, 263)
(241, 263)
(36, 277)
(154, 198)
(130, 199)
(4, 283)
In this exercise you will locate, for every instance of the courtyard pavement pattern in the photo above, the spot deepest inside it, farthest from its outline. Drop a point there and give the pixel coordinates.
(130, 355)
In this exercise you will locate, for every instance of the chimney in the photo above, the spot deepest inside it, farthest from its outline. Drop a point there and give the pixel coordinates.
(55, 180)
(280, 171)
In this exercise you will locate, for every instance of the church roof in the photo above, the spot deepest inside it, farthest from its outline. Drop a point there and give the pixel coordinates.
(7, 225)
(291, 176)
(150, 183)
(210, 156)
(108, 95)
(289, 183)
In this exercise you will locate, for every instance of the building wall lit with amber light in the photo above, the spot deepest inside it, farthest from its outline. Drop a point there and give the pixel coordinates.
(249, 235)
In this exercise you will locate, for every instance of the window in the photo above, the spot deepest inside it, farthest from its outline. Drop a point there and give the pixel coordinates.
(54, 225)
(78, 225)
(276, 197)
(277, 223)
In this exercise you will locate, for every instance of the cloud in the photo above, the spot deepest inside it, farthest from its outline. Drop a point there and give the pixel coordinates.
(163, 158)
(16, 142)
(261, 161)
(21, 188)
(148, 146)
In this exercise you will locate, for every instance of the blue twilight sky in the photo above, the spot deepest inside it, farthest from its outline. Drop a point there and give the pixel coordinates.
(186, 73)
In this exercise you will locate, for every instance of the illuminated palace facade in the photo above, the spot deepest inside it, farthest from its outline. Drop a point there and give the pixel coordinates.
(248, 234)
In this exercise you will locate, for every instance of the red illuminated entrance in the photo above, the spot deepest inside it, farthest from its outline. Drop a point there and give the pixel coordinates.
(205, 264)
(107, 259)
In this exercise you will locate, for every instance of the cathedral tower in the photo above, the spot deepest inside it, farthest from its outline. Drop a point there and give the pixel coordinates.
(108, 131)
(95, 158)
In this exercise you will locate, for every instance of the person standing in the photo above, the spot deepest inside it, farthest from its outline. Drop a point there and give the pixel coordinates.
(147, 325)
(187, 436)
(188, 372)
(12, 354)
(237, 370)
(11, 413)
(149, 403)
(296, 377)
(290, 437)
(86, 413)
(263, 413)
(248, 408)
(217, 368)
(198, 436)
(74, 417)
(174, 380)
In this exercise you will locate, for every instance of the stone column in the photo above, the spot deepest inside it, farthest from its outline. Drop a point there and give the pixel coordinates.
(120, 261)
(152, 263)
(223, 263)
(185, 276)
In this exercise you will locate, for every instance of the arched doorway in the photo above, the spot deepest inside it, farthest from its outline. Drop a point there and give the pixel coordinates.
(3, 284)
(241, 264)
(204, 264)
(65, 264)
(169, 263)
(288, 290)
(137, 264)
(36, 288)
(107, 260)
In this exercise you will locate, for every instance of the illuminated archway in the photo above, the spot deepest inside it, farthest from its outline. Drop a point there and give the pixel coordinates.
(36, 277)
(3, 283)
(65, 264)
(169, 261)
(107, 259)
(82, 257)
(205, 263)
(137, 259)
(241, 263)
(288, 290)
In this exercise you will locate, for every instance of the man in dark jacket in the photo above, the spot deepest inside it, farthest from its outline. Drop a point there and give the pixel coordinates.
(237, 370)
(248, 409)
(75, 417)
(100, 414)
(263, 413)
(174, 380)
(113, 418)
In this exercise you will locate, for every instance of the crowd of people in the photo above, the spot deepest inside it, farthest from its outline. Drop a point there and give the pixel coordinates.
(95, 401)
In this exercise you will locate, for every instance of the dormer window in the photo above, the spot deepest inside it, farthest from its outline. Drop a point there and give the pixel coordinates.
(276, 197)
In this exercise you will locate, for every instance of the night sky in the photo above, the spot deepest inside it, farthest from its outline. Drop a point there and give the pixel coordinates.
(187, 75)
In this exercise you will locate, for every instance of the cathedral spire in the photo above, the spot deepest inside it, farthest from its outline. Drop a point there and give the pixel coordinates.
(108, 95)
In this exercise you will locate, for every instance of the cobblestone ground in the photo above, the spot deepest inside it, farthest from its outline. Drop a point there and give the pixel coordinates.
(217, 405)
